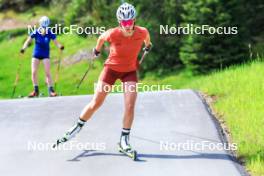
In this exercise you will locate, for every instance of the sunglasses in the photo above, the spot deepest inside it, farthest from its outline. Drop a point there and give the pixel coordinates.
(126, 23)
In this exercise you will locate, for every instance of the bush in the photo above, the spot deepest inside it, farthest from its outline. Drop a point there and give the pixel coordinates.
(20, 5)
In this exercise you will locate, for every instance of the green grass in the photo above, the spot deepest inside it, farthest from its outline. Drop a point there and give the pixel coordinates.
(175, 80)
(240, 102)
(240, 92)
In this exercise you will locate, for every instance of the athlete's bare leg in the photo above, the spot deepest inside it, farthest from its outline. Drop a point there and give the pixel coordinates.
(130, 96)
(101, 92)
(46, 63)
(34, 70)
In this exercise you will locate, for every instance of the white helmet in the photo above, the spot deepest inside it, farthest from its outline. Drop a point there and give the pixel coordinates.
(126, 12)
(44, 22)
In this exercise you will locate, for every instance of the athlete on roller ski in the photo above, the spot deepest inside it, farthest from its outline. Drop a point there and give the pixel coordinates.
(125, 41)
(42, 37)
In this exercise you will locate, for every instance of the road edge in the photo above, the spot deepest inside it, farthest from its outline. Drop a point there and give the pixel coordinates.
(222, 134)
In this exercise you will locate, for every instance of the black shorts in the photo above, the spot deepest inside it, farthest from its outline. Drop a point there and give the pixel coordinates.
(40, 57)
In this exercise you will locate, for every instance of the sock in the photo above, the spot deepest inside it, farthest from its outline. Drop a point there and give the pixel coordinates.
(81, 122)
(125, 131)
(124, 139)
(36, 88)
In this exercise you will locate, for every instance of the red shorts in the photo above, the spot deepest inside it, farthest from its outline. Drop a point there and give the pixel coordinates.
(109, 76)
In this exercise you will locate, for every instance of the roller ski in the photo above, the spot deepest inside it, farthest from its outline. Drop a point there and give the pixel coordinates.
(33, 94)
(124, 146)
(128, 152)
(70, 133)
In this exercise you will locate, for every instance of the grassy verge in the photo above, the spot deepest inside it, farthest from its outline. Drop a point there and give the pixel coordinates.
(240, 92)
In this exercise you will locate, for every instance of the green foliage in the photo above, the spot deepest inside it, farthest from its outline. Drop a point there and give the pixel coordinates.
(164, 57)
(75, 9)
(207, 52)
(8, 35)
(20, 5)
(87, 13)
(255, 17)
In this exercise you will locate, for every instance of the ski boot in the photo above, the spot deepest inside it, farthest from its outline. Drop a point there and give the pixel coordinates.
(70, 133)
(33, 94)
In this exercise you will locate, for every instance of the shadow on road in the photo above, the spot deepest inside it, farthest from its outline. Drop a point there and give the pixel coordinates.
(142, 156)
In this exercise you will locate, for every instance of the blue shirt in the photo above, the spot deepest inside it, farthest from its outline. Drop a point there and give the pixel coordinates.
(42, 48)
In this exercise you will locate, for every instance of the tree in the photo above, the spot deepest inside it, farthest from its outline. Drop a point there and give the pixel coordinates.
(164, 56)
(204, 53)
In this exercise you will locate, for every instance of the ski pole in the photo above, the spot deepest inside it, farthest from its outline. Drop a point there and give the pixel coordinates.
(143, 56)
(58, 69)
(89, 68)
(17, 76)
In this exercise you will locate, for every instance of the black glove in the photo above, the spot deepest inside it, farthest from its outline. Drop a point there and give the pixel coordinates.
(96, 53)
(22, 51)
(147, 48)
(62, 47)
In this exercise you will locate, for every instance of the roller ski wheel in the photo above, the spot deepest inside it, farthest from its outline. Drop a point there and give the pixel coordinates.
(59, 141)
(128, 152)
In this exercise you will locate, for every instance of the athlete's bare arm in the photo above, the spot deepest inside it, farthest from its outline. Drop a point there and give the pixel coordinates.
(100, 42)
(29, 39)
(147, 40)
(57, 43)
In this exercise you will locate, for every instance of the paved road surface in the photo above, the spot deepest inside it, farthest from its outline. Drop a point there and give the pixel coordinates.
(164, 122)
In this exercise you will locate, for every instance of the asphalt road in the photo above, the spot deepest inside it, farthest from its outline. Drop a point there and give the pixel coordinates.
(173, 133)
